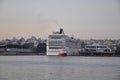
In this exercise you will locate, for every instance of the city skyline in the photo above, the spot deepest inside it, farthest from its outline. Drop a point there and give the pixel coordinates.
(85, 19)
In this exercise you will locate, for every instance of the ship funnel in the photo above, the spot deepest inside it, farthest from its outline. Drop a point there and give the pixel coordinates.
(61, 31)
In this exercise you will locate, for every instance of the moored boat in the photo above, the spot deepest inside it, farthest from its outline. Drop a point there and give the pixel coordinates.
(60, 44)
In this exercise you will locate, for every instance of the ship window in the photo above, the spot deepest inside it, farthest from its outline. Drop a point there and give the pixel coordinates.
(101, 46)
(90, 46)
(55, 37)
(55, 47)
(56, 43)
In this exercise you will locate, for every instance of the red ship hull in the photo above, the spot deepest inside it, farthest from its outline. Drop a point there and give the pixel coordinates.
(62, 54)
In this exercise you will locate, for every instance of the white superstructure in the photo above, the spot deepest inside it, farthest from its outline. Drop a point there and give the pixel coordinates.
(58, 43)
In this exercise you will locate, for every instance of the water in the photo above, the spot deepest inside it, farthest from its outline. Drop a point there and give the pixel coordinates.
(59, 68)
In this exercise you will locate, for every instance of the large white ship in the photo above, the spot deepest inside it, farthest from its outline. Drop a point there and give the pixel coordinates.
(60, 44)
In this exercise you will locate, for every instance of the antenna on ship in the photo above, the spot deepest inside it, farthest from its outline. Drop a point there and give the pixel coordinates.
(61, 29)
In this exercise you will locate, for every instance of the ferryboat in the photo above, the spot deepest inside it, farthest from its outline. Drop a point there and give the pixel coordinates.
(97, 48)
(62, 45)
(15, 49)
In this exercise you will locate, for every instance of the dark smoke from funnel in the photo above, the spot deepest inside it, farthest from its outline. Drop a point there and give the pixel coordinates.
(43, 20)
(47, 21)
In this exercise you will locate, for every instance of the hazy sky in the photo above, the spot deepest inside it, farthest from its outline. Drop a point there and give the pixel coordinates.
(86, 19)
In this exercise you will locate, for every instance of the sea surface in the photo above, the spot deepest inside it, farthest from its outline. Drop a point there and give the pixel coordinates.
(59, 68)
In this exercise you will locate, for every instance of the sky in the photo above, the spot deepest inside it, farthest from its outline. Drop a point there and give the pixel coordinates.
(85, 19)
